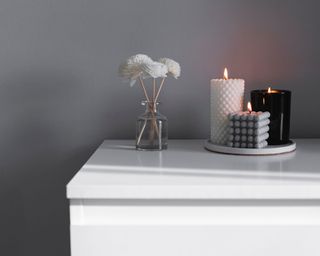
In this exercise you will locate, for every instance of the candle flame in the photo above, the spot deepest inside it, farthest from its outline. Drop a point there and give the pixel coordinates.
(249, 107)
(269, 89)
(225, 74)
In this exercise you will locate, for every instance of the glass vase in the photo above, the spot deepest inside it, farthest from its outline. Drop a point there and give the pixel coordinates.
(151, 128)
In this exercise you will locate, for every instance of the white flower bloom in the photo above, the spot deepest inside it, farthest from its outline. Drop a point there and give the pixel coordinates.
(173, 67)
(130, 72)
(131, 68)
(139, 59)
(154, 69)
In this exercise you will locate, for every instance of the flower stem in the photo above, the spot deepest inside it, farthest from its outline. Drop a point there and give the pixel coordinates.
(151, 106)
(158, 93)
(141, 132)
(154, 90)
(144, 89)
(153, 125)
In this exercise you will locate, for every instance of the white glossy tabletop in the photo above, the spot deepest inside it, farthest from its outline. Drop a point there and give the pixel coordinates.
(187, 171)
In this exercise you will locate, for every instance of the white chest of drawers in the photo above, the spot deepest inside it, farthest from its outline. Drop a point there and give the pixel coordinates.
(190, 202)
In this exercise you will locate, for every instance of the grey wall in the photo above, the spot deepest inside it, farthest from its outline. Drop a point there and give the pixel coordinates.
(60, 95)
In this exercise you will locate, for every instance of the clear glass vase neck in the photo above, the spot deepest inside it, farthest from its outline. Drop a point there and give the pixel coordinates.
(151, 106)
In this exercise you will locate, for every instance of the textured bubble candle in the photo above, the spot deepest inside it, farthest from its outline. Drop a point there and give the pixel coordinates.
(226, 97)
(248, 129)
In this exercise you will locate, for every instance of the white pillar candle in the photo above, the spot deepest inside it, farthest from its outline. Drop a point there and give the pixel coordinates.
(226, 97)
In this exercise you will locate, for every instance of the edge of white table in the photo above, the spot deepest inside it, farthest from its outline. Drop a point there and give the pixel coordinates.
(189, 201)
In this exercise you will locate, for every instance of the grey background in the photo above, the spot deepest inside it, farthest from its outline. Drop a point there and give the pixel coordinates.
(60, 95)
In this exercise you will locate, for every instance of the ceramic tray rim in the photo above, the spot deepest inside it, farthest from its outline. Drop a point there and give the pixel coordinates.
(269, 150)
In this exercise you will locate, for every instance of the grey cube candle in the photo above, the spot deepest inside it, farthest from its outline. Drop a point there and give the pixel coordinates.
(248, 129)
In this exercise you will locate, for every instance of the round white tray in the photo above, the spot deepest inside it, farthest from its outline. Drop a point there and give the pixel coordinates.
(269, 150)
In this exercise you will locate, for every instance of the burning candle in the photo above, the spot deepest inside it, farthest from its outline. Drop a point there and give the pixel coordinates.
(277, 102)
(254, 128)
(226, 97)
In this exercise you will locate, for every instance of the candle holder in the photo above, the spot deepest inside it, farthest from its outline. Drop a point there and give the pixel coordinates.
(278, 103)
(248, 132)
(268, 150)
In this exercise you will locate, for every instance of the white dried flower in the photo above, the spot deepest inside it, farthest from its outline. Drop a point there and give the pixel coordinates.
(154, 69)
(131, 69)
(139, 59)
(174, 68)
(130, 72)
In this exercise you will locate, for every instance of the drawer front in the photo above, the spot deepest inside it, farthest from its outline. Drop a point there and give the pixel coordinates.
(194, 228)
(195, 240)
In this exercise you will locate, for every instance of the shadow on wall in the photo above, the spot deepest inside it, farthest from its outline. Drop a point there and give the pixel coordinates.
(41, 149)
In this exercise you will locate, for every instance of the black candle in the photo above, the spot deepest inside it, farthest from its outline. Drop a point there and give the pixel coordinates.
(277, 102)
